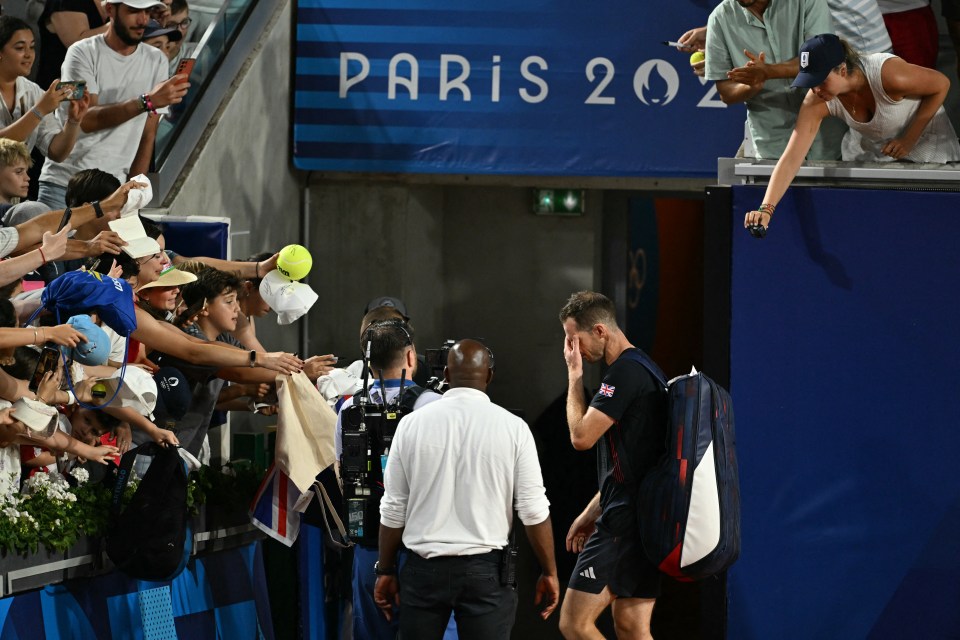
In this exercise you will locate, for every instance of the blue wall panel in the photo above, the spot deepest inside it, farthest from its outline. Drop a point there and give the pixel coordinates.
(844, 355)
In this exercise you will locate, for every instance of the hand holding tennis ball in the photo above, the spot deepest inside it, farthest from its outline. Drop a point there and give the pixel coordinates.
(697, 60)
(294, 262)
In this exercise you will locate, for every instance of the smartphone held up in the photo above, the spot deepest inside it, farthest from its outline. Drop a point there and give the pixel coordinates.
(185, 68)
(77, 87)
(48, 360)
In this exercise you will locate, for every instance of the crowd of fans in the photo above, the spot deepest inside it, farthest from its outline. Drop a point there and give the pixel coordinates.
(107, 73)
(193, 351)
(105, 76)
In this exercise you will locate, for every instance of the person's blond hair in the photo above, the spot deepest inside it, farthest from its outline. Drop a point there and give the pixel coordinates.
(11, 151)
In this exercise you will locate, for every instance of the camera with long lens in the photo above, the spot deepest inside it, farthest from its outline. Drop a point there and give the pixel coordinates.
(367, 429)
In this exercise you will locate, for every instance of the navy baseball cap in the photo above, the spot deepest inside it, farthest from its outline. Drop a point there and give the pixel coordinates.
(174, 394)
(818, 57)
(154, 29)
(387, 301)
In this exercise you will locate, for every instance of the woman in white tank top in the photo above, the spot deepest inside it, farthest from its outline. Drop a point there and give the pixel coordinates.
(894, 110)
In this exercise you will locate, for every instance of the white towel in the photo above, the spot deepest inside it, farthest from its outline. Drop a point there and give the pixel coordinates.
(137, 198)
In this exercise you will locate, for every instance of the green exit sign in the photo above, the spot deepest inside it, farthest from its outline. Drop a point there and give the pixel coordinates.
(563, 202)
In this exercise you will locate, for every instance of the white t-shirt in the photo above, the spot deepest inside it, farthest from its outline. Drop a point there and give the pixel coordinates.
(9, 238)
(26, 95)
(113, 78)
(118, 344)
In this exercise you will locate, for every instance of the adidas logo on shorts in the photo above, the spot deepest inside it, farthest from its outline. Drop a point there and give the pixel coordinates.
(588, 573)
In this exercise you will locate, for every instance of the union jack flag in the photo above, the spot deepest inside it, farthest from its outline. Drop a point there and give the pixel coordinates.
(607, 390)
(277, 506)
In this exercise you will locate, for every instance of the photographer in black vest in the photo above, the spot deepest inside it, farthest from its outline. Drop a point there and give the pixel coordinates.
(391, 360)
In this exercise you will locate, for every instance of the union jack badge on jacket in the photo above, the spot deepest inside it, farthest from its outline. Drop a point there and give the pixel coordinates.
(606, 390)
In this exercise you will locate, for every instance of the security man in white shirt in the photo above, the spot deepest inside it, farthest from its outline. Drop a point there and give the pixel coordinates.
(457, 470)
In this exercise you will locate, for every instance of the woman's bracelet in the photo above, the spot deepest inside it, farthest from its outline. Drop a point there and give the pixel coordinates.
(258, 270)
(42, 257)
(37, 113)
(34, 336)
(767, 208)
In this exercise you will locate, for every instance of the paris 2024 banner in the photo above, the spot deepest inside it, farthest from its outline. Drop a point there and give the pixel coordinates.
(541, 87)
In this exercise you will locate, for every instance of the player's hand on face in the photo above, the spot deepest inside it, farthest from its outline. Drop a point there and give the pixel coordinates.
(571, 354)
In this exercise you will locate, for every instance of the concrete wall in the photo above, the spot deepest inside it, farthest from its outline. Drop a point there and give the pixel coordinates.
(243, 167)
(467, 261)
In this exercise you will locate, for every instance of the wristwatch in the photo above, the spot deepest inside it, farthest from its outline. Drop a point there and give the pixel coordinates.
(380, 571)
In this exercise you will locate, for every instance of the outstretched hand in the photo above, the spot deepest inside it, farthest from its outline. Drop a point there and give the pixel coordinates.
(102, 454)
(64, 335)
(757, 219)
(280, 362)
(114, 202)
(317, 366)
(54, 245)
(754, 73)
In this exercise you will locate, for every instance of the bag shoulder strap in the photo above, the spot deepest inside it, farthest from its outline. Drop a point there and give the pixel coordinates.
(409, 398)
(123, 476)
(339, 540)
(638, 356)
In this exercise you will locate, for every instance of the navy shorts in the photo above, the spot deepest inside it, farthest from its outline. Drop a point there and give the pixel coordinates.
(618, 562)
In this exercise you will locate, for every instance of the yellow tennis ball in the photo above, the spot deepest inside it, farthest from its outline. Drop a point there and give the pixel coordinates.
(294, 262)
(697, 57)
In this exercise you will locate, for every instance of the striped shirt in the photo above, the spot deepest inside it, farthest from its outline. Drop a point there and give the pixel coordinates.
(860, 23)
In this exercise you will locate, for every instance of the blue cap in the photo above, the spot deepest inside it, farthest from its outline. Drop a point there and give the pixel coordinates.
(818, 57)
(96, 349)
